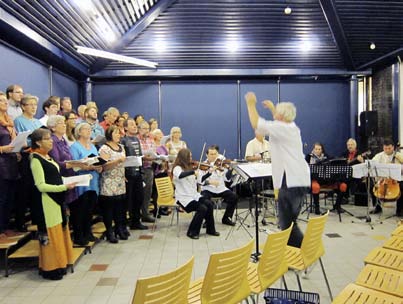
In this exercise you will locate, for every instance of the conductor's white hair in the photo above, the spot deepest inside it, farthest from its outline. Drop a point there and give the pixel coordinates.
(287, 110)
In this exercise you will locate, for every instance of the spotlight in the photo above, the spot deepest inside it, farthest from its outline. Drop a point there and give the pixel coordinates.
(372, 46)
(287, 10)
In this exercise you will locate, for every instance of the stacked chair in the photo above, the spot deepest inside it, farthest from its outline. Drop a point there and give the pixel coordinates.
(380, 281)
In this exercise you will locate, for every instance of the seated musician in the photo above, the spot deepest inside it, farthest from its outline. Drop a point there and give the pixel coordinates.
(189, 199)
(390, 156)
(353, 157)
(316, 157)
(213, 184)
(257, 149)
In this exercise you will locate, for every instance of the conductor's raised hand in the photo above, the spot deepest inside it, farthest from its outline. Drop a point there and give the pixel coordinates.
(250, 98)
(268, 104)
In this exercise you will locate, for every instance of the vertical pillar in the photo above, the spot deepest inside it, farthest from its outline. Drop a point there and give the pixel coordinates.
(88, 90)
(239, 119)
(50, 71)
(353, 105)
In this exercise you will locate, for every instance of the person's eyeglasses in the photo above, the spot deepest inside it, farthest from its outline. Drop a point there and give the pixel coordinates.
(18, 92)
(71, 118)
(31, 104)
(47, 138)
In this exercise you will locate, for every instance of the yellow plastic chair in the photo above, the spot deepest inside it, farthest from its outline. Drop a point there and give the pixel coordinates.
(272, 264)
(385, 258)
(356, 294)
(398, 231)
(299, 259)
(394, 243)
(225, 281)
(166, 198)
(381, 279)
(168, 288)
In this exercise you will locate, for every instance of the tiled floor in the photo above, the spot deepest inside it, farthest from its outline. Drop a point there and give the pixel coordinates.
(108, 275)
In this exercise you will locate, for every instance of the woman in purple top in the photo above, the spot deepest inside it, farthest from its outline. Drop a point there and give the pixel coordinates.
(8, 165)
(61, 151)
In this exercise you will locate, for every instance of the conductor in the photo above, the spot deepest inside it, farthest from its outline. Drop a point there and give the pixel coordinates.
(290, 171)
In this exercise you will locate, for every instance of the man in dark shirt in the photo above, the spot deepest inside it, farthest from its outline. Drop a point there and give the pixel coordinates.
(134, 185)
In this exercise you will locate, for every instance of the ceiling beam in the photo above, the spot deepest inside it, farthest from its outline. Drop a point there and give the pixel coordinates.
(330, 12)
(386, 57)
(20, 35)
(227, 73)
(133, 32)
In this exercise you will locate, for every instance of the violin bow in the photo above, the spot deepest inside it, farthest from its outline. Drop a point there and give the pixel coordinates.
(201, 155)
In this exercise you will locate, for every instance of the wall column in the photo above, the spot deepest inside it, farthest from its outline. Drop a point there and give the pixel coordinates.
(353, 105)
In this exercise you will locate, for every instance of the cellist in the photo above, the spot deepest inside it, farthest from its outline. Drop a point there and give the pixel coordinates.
(390, 156)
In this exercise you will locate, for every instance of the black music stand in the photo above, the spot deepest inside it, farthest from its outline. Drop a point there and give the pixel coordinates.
(334, 171)
(370, 170)
(253, 173)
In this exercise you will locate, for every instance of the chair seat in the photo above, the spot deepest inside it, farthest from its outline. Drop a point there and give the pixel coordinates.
(295, 260)
(194, 291)
(381, 279)
(356, 294)
(398, 231)
(386, 258)
(394, 243)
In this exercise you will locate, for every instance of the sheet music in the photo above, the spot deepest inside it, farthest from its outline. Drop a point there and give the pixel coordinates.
(20, 141)
(133, 161)
(254, 170)
(377, 169)
(81, 180)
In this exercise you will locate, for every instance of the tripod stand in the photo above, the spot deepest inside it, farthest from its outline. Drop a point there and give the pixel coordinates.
(254, 173)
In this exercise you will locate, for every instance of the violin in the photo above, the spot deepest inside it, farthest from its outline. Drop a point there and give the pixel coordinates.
(387, 189)
(222, 163)
(199, 165)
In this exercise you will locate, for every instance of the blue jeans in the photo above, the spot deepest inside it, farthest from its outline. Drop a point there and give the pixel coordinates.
(290, 202)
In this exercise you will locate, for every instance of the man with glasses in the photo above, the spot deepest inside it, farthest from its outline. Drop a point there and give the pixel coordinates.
(14, 94)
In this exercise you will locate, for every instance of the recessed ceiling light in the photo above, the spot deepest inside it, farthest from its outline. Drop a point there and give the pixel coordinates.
(305, 46)
(372, 46)
(287, 10)
(232, 46)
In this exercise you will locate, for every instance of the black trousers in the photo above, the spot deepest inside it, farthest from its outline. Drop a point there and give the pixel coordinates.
(134, 198)
(112, 208)
(204, 210)
(229, 197)
(81, 211)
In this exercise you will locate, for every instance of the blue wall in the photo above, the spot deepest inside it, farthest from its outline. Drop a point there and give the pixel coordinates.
(33, 76)
(135, 97)
(207, 111)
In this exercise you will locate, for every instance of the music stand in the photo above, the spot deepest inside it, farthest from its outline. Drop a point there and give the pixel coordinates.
(371, 169)
(254, 173)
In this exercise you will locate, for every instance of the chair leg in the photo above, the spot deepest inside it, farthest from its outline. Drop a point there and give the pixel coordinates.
(284, 282)
(327, 282)
(156, 217)
(177, 220)
(299, 281)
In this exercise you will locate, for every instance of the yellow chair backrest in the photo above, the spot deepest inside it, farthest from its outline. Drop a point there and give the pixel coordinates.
(226, 280)
(165, 190)
(272, 262)
(312, 245)
(168, 288)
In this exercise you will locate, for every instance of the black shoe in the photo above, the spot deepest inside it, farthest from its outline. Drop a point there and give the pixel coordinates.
(148, 219)
(92, 238)
(317, 211)
(163, 212)
(193, 236)
(81, 241)
(227, 221)
(111, 237)
(121, 234)
(216, 233)
(204, 225)
(22, 228)
(138, 226)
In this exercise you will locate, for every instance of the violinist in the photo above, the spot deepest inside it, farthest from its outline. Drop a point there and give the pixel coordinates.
(390, 156)
(213, 184)
(184, 178)
(352, 155)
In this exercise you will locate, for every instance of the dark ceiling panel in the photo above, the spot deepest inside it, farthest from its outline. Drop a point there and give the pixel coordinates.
(190, 34)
